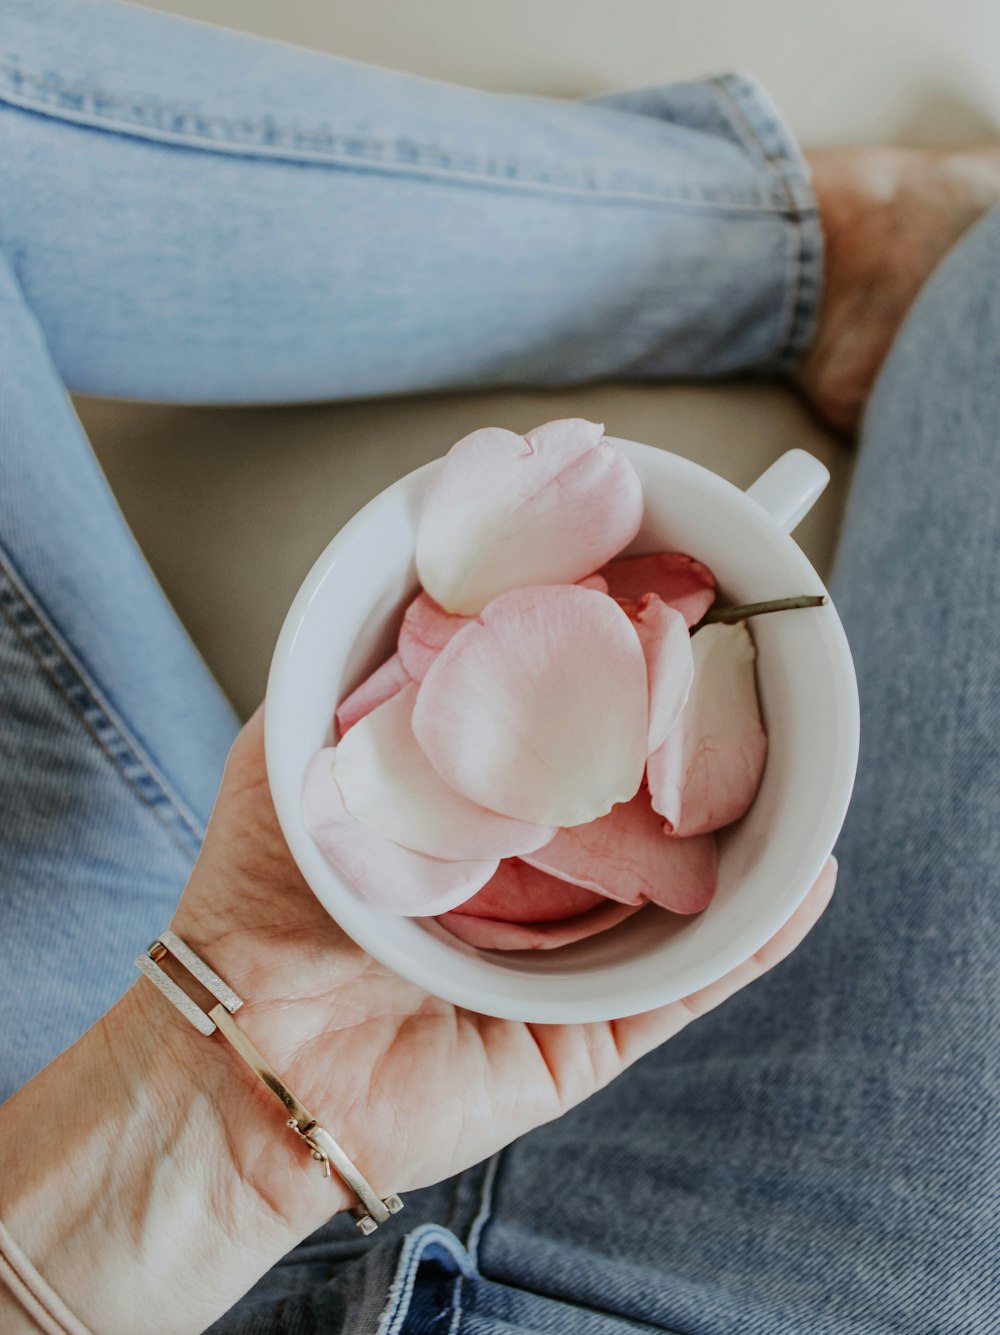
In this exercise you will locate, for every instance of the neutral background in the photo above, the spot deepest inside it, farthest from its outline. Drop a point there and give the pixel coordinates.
(841, 70)
(232, 505)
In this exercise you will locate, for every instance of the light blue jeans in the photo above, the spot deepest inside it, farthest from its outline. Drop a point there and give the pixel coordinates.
(188, 214)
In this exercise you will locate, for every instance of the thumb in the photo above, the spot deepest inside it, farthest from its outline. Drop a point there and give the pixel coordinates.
(639, 1034)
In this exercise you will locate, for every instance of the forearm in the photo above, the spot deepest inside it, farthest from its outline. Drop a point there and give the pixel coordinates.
(122, 1186)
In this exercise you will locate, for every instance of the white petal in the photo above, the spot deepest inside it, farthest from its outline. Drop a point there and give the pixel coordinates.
(389, 785)
(508, 511)
(707, 772)
(395, 879)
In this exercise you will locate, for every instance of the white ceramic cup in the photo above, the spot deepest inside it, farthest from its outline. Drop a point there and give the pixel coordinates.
(344, 620)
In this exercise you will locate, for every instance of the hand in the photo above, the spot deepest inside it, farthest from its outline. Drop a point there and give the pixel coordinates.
(169, 1182)
(413, 1087)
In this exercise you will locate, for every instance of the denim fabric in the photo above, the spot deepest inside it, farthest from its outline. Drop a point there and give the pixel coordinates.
(190, 214)
(822, 1155)
(195, 214)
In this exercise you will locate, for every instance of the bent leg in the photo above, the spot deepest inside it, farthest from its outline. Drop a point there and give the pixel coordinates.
(820, 1156)
(112, 732)
(199, 215)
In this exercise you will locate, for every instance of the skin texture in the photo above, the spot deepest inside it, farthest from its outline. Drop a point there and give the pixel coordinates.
(321, 1004)
(888, 215)
(119, 1216)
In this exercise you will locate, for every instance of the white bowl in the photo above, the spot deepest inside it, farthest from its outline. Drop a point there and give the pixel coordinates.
(344, 620)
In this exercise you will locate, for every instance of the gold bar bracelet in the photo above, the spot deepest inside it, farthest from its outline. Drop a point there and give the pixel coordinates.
(373, 1209)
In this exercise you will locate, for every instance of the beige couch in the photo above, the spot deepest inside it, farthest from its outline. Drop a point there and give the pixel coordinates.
(232, 505)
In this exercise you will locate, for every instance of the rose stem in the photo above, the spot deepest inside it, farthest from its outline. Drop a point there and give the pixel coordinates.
(729, 615)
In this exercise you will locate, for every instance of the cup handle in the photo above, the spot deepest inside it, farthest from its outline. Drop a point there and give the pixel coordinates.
(789, 489)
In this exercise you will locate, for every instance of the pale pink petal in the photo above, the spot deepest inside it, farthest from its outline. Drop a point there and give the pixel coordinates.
(487, 934)
(666, 643)
(627, 856)
(389, 785)
(395, 879)
(539, 708)
(382, 685)
(518, 892)
(681, 581)
(508, 511)
(476, 923)
(597, 582)
(426, 629)
(707, 772)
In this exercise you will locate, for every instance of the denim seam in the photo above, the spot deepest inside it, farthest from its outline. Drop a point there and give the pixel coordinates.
(397, 1305)
(733, 92)
(456, 1316)
(745, 106)
(147, 119)
(471, 1248)
(108, 730)
(471, 1240)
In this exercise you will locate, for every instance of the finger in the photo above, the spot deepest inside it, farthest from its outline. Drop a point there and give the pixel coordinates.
(638, 1034)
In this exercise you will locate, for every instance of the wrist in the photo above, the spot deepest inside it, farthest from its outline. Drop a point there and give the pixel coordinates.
(146, 1171)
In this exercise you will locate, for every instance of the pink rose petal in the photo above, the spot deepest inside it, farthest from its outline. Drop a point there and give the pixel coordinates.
(666, 643)
(539, 708)
(520, 885)
(507, 511)
(390, 786)
(626, 856)
(518, 892)
(426, 629)
(382, 685)
(681, 581)
(396, 879)
(707, 772)
(597, 582)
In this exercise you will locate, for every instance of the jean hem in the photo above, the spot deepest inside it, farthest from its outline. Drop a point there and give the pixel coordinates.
(755, 119)
(392, 1320)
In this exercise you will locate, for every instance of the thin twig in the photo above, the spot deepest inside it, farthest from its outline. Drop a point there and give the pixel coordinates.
(730, 615)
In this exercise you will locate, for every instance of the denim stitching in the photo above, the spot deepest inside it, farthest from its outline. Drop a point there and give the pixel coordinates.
(757, 129)
(805, 297)
(474, 1234)
(805, 264)
(401, 1289)
(108, 731)
(161, 122)
(725, 89)
(400, 1294)
(754, 126)
(804, 300)
(749, 130)
(485, 1207)
(456, 1316)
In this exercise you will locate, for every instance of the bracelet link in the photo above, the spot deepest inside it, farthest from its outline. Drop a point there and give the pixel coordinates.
(372, 1209)
(317, 1153)
(366, 1219)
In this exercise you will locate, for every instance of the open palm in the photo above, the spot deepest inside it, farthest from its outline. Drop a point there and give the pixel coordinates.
(413, 1087)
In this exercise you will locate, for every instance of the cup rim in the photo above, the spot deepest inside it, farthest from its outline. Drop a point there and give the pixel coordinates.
(360, 921)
